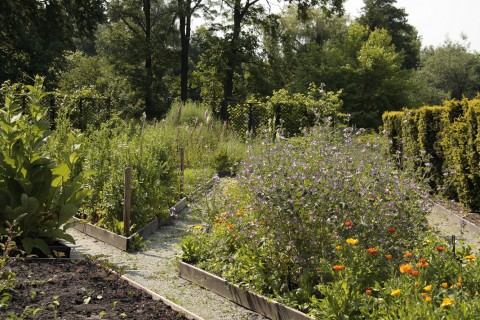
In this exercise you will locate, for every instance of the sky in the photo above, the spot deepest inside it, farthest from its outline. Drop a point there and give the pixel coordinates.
(436, 19)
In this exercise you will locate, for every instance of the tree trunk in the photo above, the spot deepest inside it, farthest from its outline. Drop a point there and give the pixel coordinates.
(185, 27)
(231, 61)
(148, 61)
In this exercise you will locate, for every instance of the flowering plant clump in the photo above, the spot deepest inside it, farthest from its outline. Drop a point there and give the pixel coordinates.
(328, 225)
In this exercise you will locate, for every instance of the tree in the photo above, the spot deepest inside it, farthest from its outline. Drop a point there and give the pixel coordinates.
(452, 69)
(240, 15)
(35, 33)
(366, 66)
(382, 14)
(186, 9)
(139, 44)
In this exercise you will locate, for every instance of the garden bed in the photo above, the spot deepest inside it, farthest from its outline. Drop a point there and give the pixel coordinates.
(83, 289)
(122, 242)
(250, 300)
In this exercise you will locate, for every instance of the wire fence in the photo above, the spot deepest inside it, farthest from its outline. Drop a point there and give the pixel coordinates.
(83, 111)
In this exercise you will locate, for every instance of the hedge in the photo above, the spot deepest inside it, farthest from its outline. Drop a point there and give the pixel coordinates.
(442, 142)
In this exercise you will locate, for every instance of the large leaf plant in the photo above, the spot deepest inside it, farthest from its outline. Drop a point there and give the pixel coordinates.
(37, 195)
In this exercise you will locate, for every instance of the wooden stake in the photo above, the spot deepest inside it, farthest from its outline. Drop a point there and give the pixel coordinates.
(127, 201)
(182, 170)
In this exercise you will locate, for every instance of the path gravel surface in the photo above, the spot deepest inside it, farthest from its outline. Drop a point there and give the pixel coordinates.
(155, 268)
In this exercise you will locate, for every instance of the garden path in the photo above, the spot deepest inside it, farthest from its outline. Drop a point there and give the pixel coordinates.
(449, 222)
(155, 269)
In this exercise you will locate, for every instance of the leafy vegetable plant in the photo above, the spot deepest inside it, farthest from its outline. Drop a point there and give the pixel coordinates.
(41, 195)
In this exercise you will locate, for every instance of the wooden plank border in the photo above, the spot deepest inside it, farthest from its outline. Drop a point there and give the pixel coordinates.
(156, 296)
(250, 300)
(122, 242)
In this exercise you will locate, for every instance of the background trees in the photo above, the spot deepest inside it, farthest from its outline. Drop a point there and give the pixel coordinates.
(145, 53)
(34, 34)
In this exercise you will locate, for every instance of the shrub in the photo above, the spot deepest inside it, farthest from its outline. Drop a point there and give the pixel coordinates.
(37, 194)
(290, 112)
(291, 204)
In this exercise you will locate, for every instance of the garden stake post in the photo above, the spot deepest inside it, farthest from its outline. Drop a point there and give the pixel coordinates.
(127, 201)
(182, 169)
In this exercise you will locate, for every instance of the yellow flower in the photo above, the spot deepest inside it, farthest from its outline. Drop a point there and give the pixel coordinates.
(352, 241)
(395, 293)
(428, 298)
(447, 301)
(338, 248)
(471, 257)
(428, 288)
(417, 283)
(197, 227)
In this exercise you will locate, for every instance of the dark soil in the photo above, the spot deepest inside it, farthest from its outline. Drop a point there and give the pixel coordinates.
(82, 289)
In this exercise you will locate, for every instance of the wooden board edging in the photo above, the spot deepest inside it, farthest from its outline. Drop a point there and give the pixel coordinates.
(255, 302)
(156, 296)
(122, 242)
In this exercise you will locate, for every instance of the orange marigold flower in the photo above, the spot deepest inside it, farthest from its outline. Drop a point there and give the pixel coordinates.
(415, 273)
(408, 255)
(352, 241)
(395, 293)
(428, 298)
(424, 294)
(405, 268)
(338, 268)
(388, 256)
(423, 260)
(440, 249)
(348, 223)
(422, 264)
(338, 248)
(371, 251)
(447, 302)
(459, 284)
(445, 285)
(368, 292)
(392, 230)
(230, 226)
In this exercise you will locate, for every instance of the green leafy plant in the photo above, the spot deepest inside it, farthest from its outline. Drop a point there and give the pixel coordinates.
(38, 193)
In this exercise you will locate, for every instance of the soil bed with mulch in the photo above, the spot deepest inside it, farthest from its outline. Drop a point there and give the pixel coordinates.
(82, 290)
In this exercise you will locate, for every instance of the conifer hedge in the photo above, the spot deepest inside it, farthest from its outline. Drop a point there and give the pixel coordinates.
(442, 142)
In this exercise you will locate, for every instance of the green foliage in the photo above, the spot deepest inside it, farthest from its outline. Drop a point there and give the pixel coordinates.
(451, 69)
(36, 33)
(442, 143)
(149, 151)
(280, 221)
(41, 195)
(290, 112)
(462, 154)
(383, 14)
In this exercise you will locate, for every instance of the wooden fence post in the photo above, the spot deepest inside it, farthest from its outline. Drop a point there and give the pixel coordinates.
(182, 170)
(127, 201)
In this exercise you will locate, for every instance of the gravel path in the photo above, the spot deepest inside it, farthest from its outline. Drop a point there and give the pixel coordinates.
(155, 268)
(448, 223)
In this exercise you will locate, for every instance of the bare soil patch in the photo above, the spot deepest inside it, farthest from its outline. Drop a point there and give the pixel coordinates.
(78, 290)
